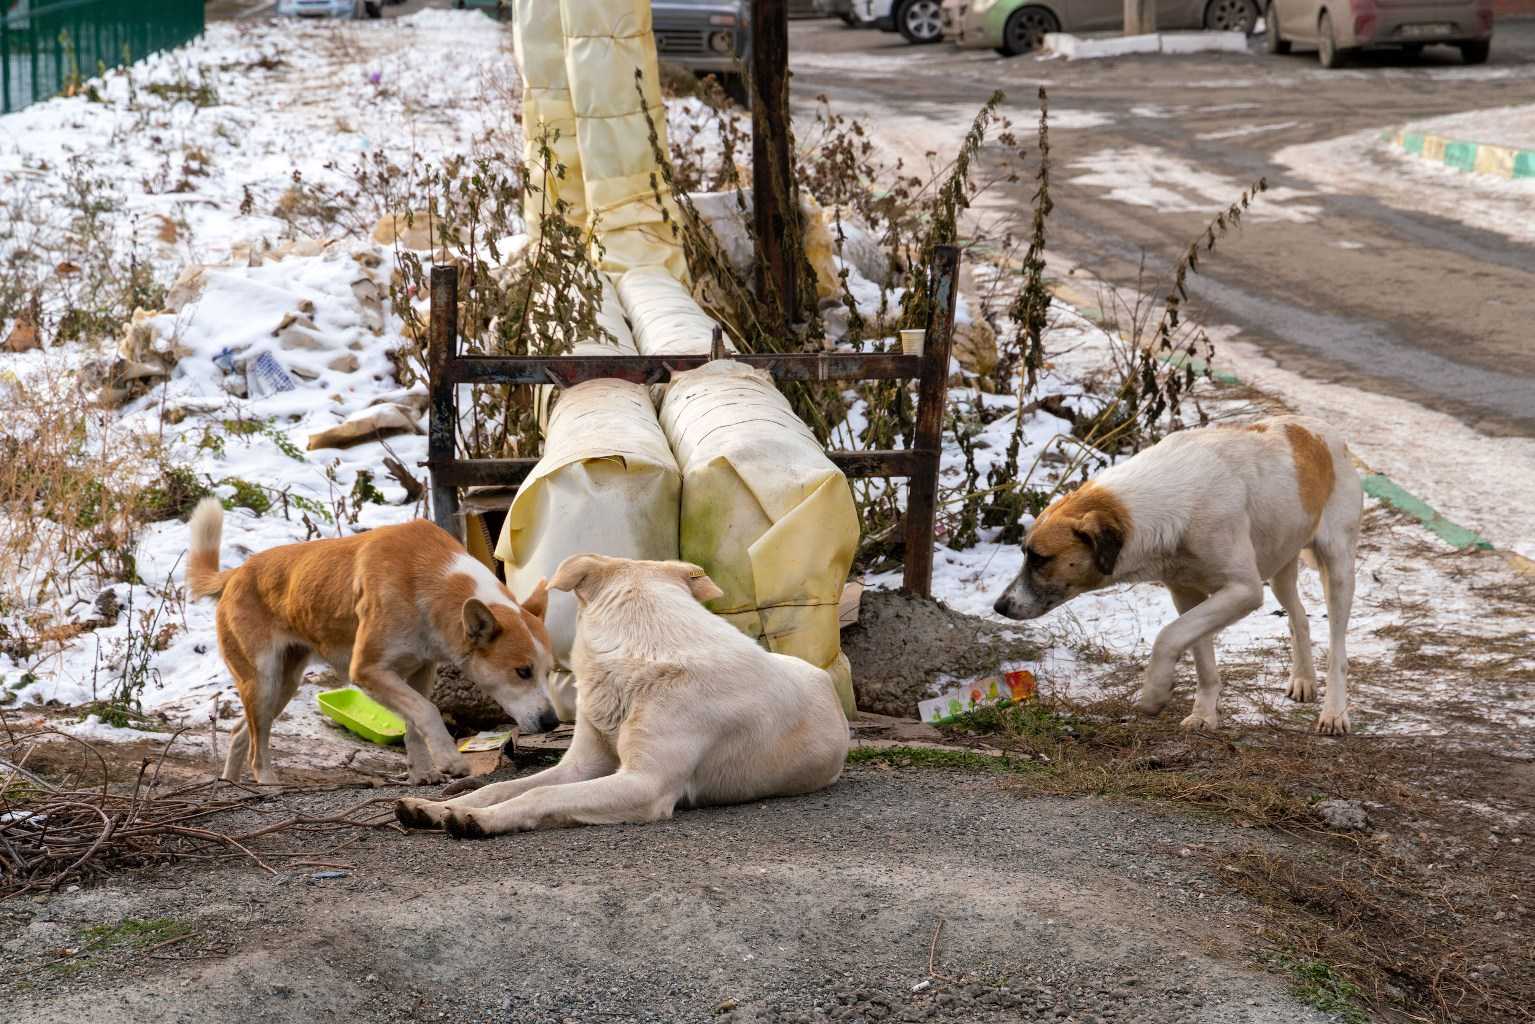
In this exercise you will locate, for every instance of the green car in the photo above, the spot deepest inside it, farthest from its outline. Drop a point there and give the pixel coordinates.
(1012, 27)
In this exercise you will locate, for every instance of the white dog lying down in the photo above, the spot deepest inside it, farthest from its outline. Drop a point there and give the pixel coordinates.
(1211, 514)
(674, 706)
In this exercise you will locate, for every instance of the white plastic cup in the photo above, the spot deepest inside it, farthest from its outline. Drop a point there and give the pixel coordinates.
(913, 341)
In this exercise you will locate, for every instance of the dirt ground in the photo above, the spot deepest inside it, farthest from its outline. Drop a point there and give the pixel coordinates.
(820, 908)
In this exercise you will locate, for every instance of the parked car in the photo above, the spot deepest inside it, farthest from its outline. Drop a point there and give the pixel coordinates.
(919, 21)
(710, 37)
(331, 8)
(1012, 27)
(1339, 27)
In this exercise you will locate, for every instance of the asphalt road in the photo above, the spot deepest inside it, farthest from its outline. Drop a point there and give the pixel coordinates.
(1341, 284)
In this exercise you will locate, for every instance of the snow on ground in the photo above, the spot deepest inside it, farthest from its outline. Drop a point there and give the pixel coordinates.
(1501, 126)
(1147, 176)
(1365, 164)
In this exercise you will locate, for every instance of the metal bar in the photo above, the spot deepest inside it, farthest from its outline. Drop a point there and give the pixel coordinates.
(932, 396)
(507, 472)
(442, 416)
(771, 200)
(568, 370)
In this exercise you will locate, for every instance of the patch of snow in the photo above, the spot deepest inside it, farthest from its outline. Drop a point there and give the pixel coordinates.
(1254, 129)
(1146, 176)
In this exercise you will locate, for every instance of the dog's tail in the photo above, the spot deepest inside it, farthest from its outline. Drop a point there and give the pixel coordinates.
(203, 576)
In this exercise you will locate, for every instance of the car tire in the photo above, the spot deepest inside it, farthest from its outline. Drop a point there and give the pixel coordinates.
(1476, 53)
(1412, 51)
(1327, 52)
(1026, 29)
(848, 19)
(920, 21)
(1273, 42)
(1231, 16)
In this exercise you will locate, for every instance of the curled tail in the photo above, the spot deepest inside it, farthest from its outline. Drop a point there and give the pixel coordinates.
(203, 576)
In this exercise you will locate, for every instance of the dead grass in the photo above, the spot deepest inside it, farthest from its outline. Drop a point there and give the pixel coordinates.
(1427, 916)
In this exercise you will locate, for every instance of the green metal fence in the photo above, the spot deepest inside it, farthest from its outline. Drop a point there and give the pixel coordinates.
(45, 45)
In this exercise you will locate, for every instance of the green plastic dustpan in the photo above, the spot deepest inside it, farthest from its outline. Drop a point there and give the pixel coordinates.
(363, 715)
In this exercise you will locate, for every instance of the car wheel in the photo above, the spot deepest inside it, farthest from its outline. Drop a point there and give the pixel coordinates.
(1025, 30)
(1327, 43)
(1231, 16)
(1273, 41)
(373, 8)
(920, 21)
(848, 19)
(1412, 51)
(1476, 53)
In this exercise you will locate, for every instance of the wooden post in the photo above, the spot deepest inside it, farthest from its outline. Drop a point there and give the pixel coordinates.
(771, 206)
(932, 399)
(442, 417)
(1140, 17)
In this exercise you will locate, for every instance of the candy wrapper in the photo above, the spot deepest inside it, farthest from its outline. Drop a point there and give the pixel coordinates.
(1019, 685)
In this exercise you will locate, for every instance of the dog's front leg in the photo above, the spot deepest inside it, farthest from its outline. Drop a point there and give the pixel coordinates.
(442, 759)
(590, 757)
(627, 796)
(1225, 606)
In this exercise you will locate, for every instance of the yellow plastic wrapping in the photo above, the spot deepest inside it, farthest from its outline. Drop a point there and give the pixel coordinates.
(547, 115)
(764, 511)
(607, 483)
(606, 42)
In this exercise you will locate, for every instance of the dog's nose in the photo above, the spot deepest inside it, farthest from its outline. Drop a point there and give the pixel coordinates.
(548, 719)
(1003, 607)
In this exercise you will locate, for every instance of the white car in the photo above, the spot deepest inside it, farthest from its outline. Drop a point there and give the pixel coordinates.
(920, 21)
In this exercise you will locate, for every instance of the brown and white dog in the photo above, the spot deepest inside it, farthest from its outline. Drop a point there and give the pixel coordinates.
(383, 608)
(1211, 514)
(674, 706)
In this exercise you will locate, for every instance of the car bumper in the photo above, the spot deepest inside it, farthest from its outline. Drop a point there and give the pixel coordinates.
(1410, 24)
(686, 43)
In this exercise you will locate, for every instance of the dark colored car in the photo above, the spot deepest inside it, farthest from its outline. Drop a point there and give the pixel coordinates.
(706, 37)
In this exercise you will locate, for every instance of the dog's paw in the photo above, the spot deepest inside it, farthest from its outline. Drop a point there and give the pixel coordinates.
(1201, 723)
(1151, 707)
(464, 825)
(1330, 724)
(415, 813)
(1302, 690)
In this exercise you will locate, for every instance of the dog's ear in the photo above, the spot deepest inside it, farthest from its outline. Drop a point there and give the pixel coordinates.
(537, 603)
(578, 574)
(702, 587)
(479, 623)
(1104, 535)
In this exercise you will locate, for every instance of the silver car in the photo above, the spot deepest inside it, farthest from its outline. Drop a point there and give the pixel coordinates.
(1337, 27)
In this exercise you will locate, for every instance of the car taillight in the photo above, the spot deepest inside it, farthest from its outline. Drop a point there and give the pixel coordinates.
(1364, 19)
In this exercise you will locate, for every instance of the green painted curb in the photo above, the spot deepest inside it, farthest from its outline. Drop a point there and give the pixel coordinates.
(1481, 157)
(1378, 486)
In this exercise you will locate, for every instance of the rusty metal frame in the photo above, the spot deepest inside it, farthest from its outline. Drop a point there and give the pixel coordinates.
(919, 463)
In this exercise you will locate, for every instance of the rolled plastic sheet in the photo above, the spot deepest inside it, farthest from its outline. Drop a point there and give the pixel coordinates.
(539, 41)
(606, 42)
(764, 511)
(663, 314)
(619, 342)
(607, 483)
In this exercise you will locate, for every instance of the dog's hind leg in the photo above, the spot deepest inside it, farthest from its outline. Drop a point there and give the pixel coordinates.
(238, 758)
(1336, 558)
(1302, 670)
(1205, 714)
(281, 672)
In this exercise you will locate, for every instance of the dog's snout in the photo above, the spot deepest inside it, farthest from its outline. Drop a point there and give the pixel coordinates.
(548, 719)
(1003, 607)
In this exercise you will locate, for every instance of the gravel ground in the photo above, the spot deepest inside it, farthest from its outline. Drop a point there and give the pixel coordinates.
(812, 909)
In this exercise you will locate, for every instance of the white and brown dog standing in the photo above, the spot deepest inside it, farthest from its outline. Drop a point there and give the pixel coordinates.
(674, 706)
(383, 608)
(1211, 514)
